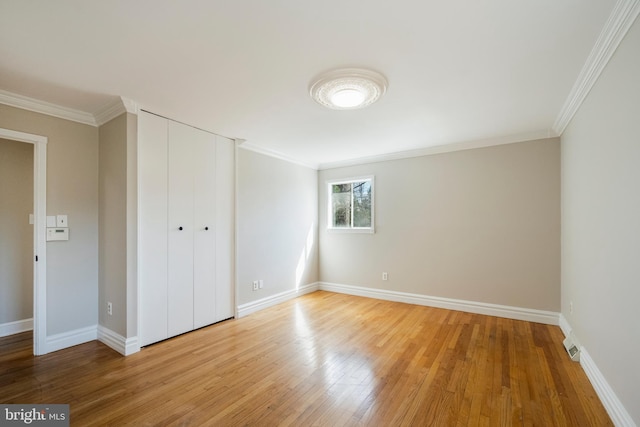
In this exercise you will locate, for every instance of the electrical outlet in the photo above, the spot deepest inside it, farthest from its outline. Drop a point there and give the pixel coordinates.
(109, 309)
(255, 285)
(385, 276)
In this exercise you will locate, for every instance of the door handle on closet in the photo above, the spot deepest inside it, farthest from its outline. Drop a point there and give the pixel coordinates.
(206, 228)
(180, 228)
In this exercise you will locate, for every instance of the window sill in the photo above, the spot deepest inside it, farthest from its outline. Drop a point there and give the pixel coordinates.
(351, 230)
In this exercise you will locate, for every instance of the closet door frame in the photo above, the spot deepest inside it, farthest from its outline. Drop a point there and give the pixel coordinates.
(225, 237)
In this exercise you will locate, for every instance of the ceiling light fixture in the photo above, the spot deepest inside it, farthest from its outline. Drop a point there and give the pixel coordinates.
(348, 88)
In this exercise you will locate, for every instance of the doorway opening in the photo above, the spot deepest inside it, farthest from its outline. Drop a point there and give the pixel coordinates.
(39, 233)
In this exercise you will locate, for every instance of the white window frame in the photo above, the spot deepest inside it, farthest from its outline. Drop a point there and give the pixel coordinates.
(333, 229)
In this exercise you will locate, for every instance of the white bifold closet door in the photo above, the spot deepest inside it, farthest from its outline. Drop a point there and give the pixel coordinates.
(204, 232)
(181, 226)
(194, 211)
(152, 228)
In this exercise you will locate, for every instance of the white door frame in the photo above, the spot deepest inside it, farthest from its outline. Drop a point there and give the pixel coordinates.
(39, 234)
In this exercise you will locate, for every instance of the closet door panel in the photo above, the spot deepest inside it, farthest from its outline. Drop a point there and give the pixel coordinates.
(180, 229)
(152, 227)
(205, 232)
(225, 226)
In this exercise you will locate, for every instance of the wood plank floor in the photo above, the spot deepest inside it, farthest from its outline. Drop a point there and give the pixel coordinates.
(324, 359)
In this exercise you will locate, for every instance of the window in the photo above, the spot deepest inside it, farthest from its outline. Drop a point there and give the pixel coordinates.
(351, 205)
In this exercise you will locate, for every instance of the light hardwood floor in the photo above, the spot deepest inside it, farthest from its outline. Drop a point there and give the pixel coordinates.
(323, 359)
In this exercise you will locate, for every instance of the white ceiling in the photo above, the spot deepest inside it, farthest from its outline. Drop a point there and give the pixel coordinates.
(458, 71)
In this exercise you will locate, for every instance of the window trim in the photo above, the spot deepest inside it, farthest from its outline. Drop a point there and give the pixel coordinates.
(351, 180)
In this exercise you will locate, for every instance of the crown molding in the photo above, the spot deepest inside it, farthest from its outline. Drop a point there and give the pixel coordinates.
(109, 112)
(122, 105)
(43, 107)
(440, 149)
(622, 17)
(130, 105)
(102, 116)
(114, 109)
(241, 143)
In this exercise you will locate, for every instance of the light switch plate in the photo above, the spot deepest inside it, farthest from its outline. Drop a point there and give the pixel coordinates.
(61, 221)
(51, 221)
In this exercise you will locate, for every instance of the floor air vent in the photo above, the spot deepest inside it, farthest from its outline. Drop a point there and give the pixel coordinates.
(572, 349)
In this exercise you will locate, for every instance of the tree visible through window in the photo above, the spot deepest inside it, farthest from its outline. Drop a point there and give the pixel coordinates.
(351, 204)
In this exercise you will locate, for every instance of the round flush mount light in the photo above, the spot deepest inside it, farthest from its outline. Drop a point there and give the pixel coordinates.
(348, 88)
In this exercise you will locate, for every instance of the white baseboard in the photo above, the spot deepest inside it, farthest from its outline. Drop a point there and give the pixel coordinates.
(252, 307)
(71, 338)
(612, 404)
(564, 325)
(610, 401)
(16, 327)
(509, 312)
(122, 345)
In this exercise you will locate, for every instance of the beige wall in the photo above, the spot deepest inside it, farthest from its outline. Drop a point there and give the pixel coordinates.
(72, 189)
(118, 203)
(601, 223)
(16, 235)
(277, 225)
(480, 225)
(112, 179)
(132, 225)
